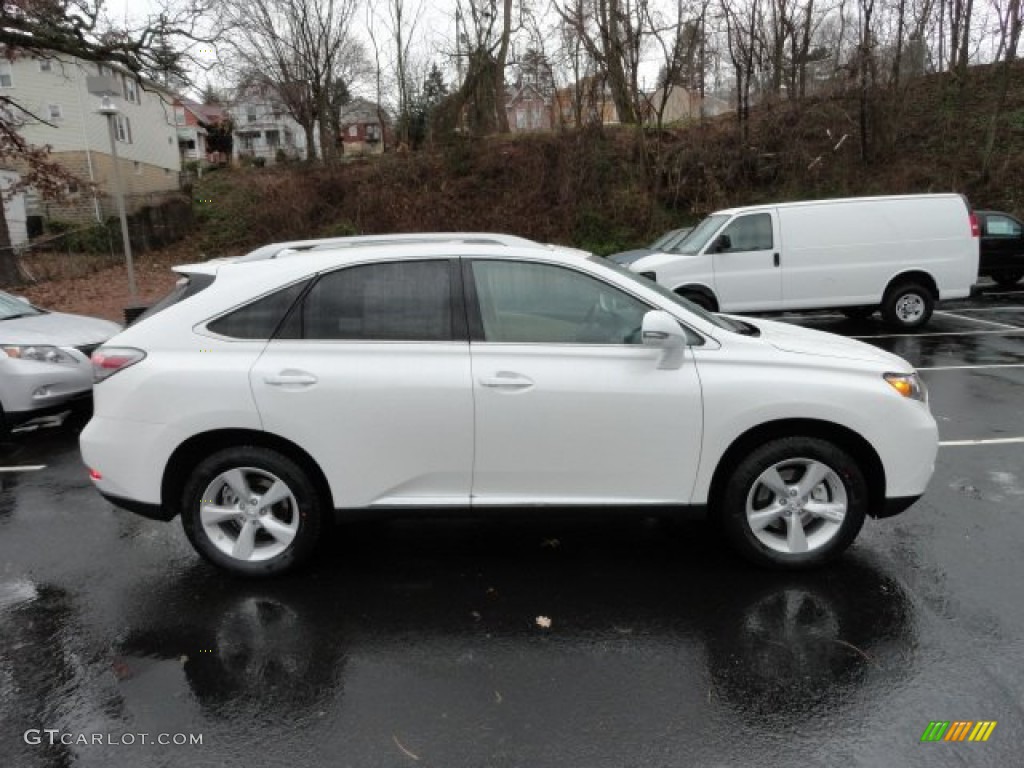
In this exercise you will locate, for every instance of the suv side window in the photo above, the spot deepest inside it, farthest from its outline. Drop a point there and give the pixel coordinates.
(1002, 226)
(750, 233)
(258, 319)
(390, 301)
(531, 303)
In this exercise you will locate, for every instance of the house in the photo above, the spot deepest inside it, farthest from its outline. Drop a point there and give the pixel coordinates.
(591, 99)
(265, 128)
(190, 120)
(365, 128)
(680, 104)
(529, 109)
(56, 91)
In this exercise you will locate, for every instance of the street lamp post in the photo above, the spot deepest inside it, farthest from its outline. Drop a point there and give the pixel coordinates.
(108, 109)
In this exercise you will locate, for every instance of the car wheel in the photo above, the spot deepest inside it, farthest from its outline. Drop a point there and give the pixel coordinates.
(794, 502)
(908, 305)
(1008, 279)
(858, 313)
(251, 510)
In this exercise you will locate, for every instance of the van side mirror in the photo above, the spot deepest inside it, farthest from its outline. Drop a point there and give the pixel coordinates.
(723, 243)
(662, 331)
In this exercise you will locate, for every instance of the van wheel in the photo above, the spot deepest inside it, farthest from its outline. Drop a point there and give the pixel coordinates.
(252, 511)
(908, 305)
(1008, 279)
(794, 502)
(858, 313)
(699, 298)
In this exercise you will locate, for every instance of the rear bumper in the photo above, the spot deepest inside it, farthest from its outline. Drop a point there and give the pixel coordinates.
(152, 511)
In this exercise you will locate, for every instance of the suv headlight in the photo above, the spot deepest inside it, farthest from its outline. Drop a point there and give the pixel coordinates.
(908, 385)
(40, 353)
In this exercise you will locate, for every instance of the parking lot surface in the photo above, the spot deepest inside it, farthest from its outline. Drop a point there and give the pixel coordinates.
(594, 641)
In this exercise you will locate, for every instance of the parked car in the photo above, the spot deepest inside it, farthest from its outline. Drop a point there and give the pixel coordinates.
(428, 375)
(1002, 247)
(898, 254)
(44, 360)
(665, 243)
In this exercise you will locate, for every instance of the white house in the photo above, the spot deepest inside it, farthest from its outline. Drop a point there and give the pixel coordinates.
(64, 116)
(264, 126)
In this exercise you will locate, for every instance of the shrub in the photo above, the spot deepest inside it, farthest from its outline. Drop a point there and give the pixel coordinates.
(259, 162)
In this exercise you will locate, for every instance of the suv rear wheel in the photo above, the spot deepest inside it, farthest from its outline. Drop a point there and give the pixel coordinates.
(251, 510)
(794, 502)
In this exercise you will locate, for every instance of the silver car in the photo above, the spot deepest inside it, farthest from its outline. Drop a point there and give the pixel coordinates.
(44, 361)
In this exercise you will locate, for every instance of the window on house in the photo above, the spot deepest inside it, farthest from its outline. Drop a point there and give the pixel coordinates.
(72, 188)
(179, 116)
(190, 144)
(250, 114)
(372, 132)
(6, 75)
(138, 168)
(54, 111)
(131, 90)
(45, 65)
(273, 139)
(123, 129)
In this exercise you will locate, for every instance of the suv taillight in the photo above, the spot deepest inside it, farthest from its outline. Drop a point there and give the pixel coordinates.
(106, 361)
(975, 228)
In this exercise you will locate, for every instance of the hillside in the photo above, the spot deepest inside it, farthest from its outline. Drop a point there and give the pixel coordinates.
(605, 190)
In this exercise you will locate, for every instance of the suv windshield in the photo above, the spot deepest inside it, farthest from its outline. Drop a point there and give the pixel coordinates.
(12, 307)
(700, 235)
(719, 321)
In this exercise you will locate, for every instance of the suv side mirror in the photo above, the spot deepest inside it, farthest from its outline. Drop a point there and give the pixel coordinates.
(723, 243)
(662, 331)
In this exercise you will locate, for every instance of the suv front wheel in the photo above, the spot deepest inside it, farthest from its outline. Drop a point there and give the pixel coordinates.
(794, 502)
(251, 510)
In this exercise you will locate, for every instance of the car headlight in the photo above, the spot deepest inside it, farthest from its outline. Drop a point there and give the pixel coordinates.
(908, 385)
(40, 353)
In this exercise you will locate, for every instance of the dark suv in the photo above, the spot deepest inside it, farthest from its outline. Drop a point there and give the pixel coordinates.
(1002, 247)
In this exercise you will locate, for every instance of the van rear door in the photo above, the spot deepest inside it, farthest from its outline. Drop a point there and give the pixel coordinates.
(748, 274)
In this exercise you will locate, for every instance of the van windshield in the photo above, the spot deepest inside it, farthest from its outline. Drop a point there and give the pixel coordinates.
(701, 234)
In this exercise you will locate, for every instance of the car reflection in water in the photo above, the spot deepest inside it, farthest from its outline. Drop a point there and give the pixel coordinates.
(419, 618)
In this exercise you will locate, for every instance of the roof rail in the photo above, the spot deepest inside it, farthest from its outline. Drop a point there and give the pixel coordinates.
(287, 248)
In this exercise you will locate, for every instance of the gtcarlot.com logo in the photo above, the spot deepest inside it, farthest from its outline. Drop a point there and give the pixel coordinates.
(958, 730)
(54, 736)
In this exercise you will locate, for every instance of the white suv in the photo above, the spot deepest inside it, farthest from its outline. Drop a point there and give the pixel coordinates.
(424, 375)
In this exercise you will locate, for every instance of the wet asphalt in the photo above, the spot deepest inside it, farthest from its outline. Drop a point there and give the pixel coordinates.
(417, 643)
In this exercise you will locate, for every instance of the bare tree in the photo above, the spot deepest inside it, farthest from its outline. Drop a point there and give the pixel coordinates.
(484, 30)
(298, 49)
(1011, 22)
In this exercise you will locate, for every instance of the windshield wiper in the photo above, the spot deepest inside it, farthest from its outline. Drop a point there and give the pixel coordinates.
(21, 314)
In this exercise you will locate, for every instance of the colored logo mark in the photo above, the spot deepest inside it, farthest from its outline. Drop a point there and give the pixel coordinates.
(958, 730)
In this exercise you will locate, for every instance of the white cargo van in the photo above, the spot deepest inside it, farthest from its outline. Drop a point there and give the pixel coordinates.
(899, 254)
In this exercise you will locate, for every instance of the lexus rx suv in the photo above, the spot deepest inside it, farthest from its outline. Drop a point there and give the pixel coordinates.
(433, 374)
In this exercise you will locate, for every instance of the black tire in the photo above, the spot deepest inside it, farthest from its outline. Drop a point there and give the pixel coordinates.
(908, 305)
(699, 298)
(1008, 279)
(742, 486)
(858, 313)
(308, 516)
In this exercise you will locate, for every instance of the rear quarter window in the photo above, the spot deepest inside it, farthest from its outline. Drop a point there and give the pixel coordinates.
(258, 319)
(186, 287)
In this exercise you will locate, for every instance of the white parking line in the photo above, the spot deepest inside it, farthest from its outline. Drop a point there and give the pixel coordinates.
(977, 320)
(990, 309)
(993, 441)
(26, 468)
(1006, 332)
(971, 367)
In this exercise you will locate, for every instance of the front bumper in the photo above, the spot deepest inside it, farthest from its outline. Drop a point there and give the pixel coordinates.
(79, 402)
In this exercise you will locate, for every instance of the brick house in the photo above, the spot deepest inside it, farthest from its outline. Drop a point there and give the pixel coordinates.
(363, 131)
(190, 119)
(528, 109)
(55, 90)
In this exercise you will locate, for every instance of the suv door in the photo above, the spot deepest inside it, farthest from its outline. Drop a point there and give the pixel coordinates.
(570, 407)
(746, 258)
(370, 375)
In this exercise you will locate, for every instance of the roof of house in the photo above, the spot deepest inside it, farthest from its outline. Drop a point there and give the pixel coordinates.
(363, 111)
(207, 113)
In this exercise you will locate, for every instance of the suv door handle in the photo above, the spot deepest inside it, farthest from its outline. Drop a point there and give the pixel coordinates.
(506, 380)
(293, 378)
(775, 258)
